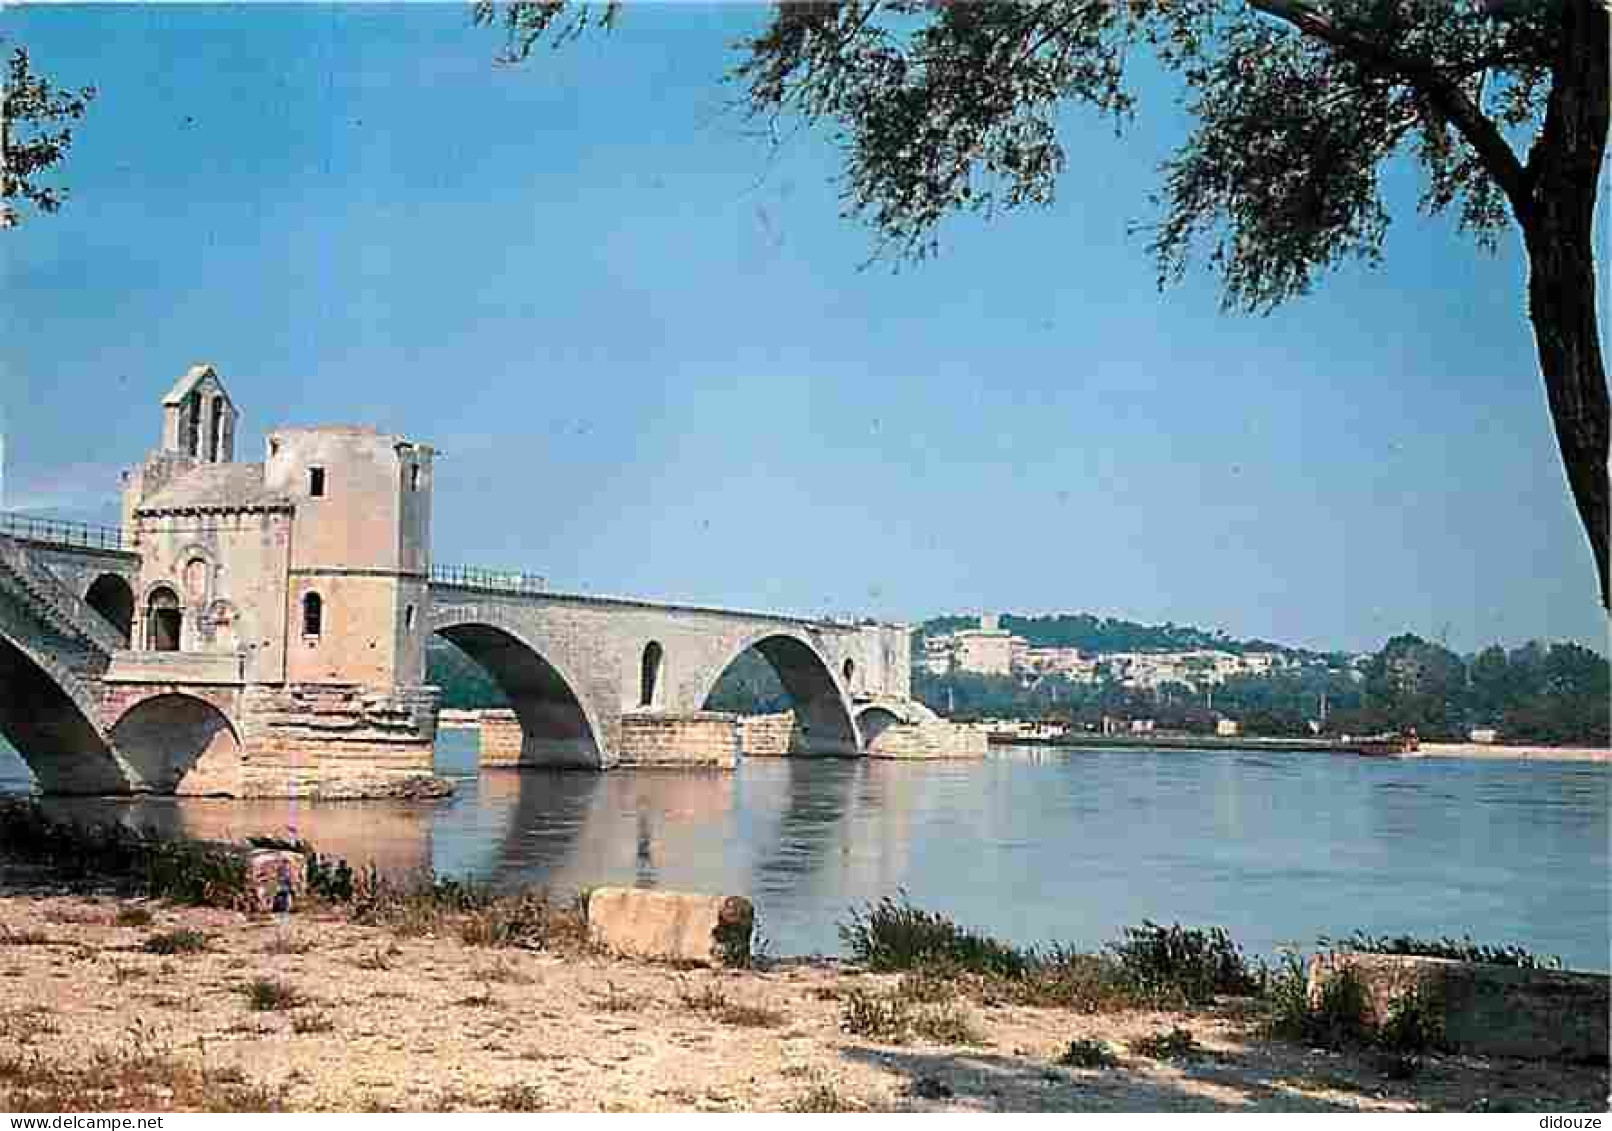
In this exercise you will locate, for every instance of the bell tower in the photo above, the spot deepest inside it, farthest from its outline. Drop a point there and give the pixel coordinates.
(198, 418)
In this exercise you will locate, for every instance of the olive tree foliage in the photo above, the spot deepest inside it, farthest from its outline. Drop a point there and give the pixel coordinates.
(1297, 105)
(34, 136)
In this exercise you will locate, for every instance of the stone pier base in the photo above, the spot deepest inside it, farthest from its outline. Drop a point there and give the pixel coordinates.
(500, 740)
(931, 739)
(330, 741)
(684, 738)
(769, 736)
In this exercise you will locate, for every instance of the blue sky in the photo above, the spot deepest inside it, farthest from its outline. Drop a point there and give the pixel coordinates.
(653, 365)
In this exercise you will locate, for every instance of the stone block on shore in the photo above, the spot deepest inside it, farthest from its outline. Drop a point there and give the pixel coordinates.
(672, 926)
(1483, 1008)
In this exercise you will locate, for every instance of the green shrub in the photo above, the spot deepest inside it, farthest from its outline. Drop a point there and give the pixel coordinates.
(1179, 964)
(157, 866)
(1337, 1019)
(520, 1097)
(871, 1015)
(132, 917)
(822, 1100)
(267, 995)
(1415, 1024)
(1177, 1044)
(946, 1024)
(181, 941)
(893, 935)
(1087, 1053)
(1063, 978)
(1460, 950)
(312, 1021)
(930, 985)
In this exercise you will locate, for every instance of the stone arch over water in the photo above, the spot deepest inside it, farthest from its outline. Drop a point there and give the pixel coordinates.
(824, 724)
(177, 743)
(558, 728)
(51, 723)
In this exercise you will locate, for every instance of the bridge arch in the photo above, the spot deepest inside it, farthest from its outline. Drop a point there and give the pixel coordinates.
(824, 724)
(873, 721)
(178, 743)
(112, 596)
(50, 718)
(559, 727)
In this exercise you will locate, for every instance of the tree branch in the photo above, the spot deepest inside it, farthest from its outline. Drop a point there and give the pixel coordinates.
(1444, 92)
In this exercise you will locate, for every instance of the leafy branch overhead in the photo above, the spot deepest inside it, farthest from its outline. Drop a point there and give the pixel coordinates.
(1296, 105)
(35, 135)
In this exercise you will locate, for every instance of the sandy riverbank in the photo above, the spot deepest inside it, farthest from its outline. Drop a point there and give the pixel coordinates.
(1492, 753)
(390, 1023)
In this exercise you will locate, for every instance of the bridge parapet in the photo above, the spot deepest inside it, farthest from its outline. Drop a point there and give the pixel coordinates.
(487, 580)
(61, 532)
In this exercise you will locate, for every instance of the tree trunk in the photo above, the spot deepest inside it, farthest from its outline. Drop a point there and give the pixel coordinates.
(1558, 223)
(1561, 303)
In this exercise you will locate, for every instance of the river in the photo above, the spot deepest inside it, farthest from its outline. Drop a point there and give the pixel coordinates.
(1030, 844)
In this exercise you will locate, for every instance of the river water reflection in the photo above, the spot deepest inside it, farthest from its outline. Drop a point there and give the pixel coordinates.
(1031, 844)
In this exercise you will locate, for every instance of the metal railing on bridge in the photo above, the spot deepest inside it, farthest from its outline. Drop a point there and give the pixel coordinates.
(63, 532)
(493, 580)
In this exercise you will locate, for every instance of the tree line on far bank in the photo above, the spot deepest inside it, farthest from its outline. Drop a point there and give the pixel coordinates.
(1536, 693)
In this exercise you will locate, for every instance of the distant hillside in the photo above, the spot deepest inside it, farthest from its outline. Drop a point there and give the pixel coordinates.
(1109, 634)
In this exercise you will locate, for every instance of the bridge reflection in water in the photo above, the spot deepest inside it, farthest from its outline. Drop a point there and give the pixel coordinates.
(1030, 845)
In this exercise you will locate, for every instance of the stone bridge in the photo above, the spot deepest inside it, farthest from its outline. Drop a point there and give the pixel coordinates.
(595, 681)
(259, 628)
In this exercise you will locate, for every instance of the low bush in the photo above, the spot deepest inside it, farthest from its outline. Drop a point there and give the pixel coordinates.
(269, 995)
(1415, 1024)
(1460, 950)
(1177, 1044)
(1087, 1053)
(1336, 1019)
(875, 1016)
(946, 1024)
(1152, 965)
(1064, 978)
(893, 935)
(1181, 965)
(187, 871)
(822, 1100)
(520, 1097)
(312, 1021)
(181, 941)
(894, 1019)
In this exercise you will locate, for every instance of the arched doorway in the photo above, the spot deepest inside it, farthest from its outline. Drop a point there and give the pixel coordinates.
(165, 620)
(111, 596)
(651, 670)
